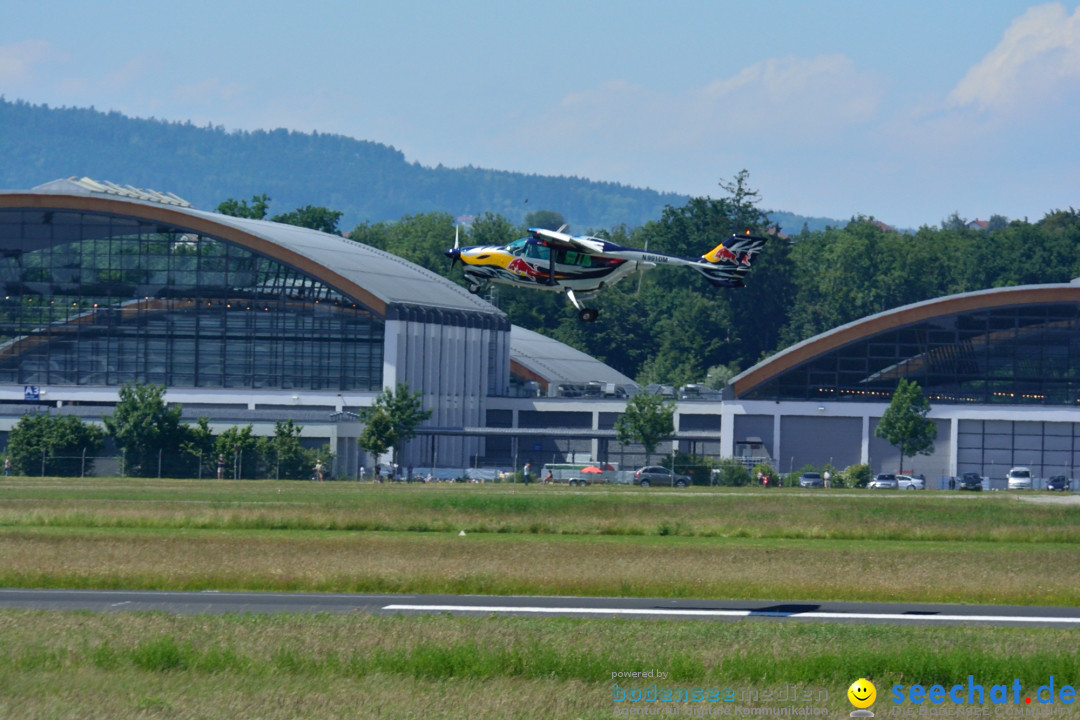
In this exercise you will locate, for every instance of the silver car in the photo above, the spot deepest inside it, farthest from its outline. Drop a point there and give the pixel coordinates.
(656, 475)
(1019, 478)
(907, 482)
(884, 481)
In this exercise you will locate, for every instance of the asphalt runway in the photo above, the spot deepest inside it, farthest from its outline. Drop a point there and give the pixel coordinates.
(217, 603)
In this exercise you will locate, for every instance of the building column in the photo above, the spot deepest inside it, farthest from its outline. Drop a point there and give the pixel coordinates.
(954, 444)
(864, 454)
(776, 443)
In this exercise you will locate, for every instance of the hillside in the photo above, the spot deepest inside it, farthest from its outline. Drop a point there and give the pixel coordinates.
(366, 181)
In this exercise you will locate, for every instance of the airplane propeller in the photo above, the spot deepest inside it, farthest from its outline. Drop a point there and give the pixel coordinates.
(455, 253)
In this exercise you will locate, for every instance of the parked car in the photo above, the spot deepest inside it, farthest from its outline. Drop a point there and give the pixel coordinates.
(1019, 478)
(908, 482)
(811, 480)
(1059, 483)
(656, 475)
(883, 481)
(971, 481)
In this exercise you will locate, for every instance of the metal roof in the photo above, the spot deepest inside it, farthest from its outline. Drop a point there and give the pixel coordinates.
(870, 325)
(369, 273)
(558, 363)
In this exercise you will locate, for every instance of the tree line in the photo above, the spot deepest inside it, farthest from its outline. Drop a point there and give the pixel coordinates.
(669, 326)
(154, 442)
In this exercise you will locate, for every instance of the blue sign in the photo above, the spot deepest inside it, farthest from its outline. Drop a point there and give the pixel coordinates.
(31, 392)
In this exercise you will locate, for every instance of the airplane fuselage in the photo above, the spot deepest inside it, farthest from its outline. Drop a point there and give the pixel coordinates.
(551, 260)
(530, 264)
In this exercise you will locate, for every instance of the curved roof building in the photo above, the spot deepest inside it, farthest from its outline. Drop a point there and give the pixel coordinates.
(105, 285)
(1017, 345)
(1001, 369)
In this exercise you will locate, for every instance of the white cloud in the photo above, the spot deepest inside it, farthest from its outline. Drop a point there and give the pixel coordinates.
(813, 98)
(1038, 57)
(19, 61)
(780, 101)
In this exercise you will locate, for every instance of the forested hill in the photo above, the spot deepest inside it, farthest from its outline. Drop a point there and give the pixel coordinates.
(365, 181)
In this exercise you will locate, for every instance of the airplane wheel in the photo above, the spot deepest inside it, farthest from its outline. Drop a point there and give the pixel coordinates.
(473, 288)
(588, 314)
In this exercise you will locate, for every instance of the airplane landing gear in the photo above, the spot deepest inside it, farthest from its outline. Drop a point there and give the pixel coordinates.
(584, 314)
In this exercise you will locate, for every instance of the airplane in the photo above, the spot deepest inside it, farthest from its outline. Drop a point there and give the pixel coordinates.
(582, 265)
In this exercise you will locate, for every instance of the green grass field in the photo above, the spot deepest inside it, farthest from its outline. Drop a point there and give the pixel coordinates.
(622, 541)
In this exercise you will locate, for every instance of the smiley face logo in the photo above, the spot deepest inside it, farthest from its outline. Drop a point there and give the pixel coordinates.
(862, 693)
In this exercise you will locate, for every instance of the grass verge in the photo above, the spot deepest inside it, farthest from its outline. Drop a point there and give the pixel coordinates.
(98, 666)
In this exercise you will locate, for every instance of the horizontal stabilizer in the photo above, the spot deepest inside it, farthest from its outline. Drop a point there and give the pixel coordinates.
(727, 263)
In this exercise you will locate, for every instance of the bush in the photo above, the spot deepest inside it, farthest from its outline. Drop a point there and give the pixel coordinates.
(792, 478)
(763, 469)
(732, 473)
(856, 476)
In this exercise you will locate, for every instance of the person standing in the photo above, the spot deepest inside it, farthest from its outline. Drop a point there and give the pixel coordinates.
(7, 466)
(221, 467)
(528, 471)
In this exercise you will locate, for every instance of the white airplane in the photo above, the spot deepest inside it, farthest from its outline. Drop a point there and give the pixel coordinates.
(553, 260)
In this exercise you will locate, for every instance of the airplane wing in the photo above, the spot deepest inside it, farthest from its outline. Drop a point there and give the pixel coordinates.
(591, 246)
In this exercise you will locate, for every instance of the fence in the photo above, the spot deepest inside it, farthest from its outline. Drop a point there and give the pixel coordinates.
(163, 464)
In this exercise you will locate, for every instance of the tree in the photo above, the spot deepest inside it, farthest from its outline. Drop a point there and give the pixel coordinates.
(547, 219)
(256, 211)
(198, 444)
(242, 452)
(145, 429)
(309, 216)
(648, 421)
(291, 460)
(392, 421)
(53, 445)
(905, 425)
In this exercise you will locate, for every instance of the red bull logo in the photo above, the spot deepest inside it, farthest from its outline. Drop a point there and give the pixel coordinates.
(523, 269)
(722, 254)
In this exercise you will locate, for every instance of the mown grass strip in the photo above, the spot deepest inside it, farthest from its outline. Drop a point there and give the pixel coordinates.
(649, 566)
(547, 510)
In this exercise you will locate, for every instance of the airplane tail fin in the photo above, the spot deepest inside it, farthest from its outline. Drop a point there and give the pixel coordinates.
(727, 263)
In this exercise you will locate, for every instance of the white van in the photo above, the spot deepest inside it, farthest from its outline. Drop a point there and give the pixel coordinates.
(1019, 478)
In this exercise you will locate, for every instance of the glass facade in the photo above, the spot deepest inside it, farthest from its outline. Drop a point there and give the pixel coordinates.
(1024, 354)
(101, 300)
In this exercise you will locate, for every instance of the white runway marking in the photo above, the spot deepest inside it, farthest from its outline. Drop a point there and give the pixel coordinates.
(666, 612)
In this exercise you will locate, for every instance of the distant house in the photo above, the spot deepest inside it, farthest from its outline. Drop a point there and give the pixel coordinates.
(977, 225)
(883, 227)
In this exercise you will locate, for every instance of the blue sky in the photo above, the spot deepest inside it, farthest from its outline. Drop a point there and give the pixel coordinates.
(903, 110)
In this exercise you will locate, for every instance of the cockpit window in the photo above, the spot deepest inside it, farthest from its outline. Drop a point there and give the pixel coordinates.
(518, 246)
(534, 250)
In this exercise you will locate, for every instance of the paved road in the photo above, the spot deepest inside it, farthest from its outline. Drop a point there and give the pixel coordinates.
(213, 603)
